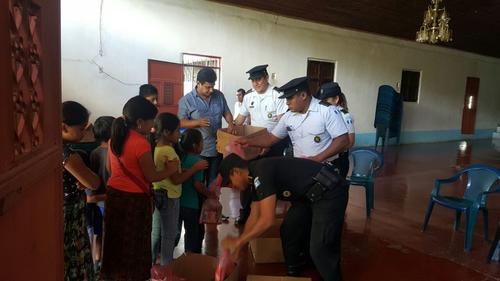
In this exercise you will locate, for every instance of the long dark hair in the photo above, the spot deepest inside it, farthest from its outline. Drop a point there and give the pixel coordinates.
(136, 108)
(343, 103)
(165, 121)
(74, 114)
(189, 139)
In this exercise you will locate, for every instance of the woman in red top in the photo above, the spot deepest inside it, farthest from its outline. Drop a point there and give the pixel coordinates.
(127, 222)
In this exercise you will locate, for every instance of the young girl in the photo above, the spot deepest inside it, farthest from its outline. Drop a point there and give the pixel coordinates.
(127, 222)
(168, 191)
(192, 189)
(76, 176)
(336, 98)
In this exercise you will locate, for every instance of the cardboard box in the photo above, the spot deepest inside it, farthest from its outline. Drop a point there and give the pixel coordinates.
(196, 267)
(224, 138)
(267, 248)
(275, 278)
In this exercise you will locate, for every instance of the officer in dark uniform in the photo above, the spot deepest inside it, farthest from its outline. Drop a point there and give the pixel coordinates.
(292, 179)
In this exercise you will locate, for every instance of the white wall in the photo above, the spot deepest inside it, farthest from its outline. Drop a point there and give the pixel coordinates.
(135, 31)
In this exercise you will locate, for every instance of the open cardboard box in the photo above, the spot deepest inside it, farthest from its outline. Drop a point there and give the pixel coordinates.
(224, 138)
(197, 267)
(275, 278)
(267, 248)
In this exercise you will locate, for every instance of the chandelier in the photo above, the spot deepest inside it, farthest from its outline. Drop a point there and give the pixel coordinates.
(435, 26)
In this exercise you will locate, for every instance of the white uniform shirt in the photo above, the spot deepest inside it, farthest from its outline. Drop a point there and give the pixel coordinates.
(263, 109)
(349, 121)
(237, 109)
(311, 132)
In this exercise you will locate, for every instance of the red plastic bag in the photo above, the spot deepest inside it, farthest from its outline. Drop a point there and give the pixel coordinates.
(211, 210)
(235, 148)
(225, 266)
(164, 273)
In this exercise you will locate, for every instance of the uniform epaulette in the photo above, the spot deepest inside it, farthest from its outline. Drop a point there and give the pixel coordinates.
(324, 103)
(275, 88)
(344, 111)
(249, 91)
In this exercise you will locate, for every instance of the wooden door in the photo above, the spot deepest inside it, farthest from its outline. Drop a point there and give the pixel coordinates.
(319, 72)
(168, 78)
(31, 197)
(470, 105)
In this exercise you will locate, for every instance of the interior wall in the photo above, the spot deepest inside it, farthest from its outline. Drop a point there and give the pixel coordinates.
(131, 32)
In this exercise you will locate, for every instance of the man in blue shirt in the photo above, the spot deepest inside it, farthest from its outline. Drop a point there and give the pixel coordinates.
(203, 109)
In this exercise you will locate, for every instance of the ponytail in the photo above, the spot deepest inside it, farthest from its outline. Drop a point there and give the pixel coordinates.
(119, 133)
(134, 109)
(343, 103)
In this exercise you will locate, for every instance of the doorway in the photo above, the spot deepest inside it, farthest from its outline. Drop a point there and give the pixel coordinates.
(319, 72)
(470, 105)
(167, 77)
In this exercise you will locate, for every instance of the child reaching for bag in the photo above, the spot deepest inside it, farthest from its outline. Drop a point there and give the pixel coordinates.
(168, 191)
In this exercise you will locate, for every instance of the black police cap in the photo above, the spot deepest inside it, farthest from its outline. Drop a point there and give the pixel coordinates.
(257, 72)
(228, 163)
(293, 87)
(329, 90)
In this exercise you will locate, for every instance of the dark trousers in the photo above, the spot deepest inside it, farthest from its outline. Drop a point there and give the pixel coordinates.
(327, 218)
(192, 237)
(342, 163)
(277, 150)
(210, 174)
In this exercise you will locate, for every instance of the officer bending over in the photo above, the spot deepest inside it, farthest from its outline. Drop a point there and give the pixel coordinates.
(291, 179)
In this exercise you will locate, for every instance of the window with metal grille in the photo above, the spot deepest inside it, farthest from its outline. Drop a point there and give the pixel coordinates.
(193, 63)
(168, 93)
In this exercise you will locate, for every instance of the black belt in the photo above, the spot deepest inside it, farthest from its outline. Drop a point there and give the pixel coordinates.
(325, 180)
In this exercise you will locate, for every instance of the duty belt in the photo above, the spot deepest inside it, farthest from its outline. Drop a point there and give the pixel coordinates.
(324, 181)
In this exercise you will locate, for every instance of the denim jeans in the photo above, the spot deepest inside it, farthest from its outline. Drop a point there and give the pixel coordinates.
(165, 221)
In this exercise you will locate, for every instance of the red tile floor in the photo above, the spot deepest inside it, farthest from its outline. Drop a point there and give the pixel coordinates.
(390, 245)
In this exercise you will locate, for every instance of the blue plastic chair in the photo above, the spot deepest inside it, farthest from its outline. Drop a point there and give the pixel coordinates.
(365, 163)
(482, 180)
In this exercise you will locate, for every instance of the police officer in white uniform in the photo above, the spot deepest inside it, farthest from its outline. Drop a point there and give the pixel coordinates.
(262, 105)
(319, 133)
(262, 102)
(331, 94)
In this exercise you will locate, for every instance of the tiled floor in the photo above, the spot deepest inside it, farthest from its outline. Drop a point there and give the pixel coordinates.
(390, 245)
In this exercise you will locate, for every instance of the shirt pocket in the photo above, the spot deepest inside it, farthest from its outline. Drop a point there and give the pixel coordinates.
(315, 133)
(269, 110)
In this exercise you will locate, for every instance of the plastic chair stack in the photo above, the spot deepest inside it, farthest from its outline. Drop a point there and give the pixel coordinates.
(388, 115)
(482, 180)
(365, 163)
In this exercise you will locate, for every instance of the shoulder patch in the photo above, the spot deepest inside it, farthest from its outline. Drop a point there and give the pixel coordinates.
(256, 183)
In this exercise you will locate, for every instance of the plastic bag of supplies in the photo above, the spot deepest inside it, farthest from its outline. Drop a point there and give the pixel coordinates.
(225, 266)
(164, 273)
(211, 210)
